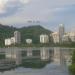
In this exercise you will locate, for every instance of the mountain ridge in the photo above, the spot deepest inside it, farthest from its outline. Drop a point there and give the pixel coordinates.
(32, 32)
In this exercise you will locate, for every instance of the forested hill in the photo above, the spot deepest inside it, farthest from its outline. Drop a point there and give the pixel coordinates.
(5, 32)
(32, 32)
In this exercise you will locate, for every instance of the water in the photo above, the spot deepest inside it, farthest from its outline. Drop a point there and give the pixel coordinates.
(35, 61)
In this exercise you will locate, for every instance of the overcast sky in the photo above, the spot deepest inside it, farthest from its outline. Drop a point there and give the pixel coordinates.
(50, 13)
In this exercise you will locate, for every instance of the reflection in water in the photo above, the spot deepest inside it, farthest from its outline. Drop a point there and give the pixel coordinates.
(44, 53)
(29, 52)
(33, 57)
(58, 56)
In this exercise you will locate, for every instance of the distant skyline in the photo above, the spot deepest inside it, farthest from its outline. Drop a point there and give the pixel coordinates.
(50, 13)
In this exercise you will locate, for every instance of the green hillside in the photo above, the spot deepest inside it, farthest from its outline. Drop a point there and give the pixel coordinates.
(32, 32)
(5, 32)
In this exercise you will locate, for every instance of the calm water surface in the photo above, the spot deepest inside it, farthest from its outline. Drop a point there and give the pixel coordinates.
(35, 61)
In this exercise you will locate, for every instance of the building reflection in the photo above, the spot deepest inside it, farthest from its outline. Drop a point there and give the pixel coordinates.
(57, 55)
(18, 55)
(29, 52)
(35, 56)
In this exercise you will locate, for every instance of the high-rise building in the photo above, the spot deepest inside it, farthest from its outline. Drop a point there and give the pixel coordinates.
(61, 32)
(17, 36)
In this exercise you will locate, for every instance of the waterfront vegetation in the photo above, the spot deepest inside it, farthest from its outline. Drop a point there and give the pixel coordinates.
(35, 64)
(69, 45)
(51, 44)
(33, 45)
(72, 66)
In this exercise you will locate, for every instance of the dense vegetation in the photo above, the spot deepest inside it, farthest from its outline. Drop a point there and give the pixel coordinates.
(32, 32)
(65, 44)
(72, 67)
(5, 32)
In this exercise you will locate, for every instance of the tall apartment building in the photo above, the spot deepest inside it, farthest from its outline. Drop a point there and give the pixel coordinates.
(17, 36)
(61, 32)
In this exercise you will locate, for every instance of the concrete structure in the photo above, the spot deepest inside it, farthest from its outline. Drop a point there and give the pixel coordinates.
(61, 32)
(7, 42)
(44, 38)
(17, 36)
(72, 36)
(65, 38)
(28, 41)
(13, 40)
(55, 37)
(58, 37)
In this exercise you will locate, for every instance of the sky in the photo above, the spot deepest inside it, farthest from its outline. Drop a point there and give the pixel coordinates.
(47, 13)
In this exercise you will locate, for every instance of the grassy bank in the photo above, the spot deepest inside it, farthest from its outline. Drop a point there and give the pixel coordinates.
(72, 66)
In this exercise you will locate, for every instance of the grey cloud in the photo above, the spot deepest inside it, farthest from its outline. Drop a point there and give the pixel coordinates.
(11, 7)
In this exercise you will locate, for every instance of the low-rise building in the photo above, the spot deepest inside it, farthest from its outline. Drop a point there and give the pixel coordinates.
(7, 42)
(16, 39)
(12, 40)
(72, 36)
(28, 41)
(55, 37)
(65, 38)
(44, 38)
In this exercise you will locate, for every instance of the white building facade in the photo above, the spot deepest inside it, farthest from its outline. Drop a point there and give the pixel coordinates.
(65, 38)
(72, 36)
(55, 37)
(44, 38)
(28, 41)
(7, 42)
(13, 40)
